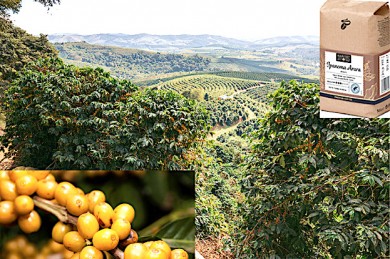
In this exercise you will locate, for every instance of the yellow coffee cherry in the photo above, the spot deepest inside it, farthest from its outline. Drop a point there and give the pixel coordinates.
(55, 247)
(94, 198)
(40, 256)
(30, 223)
(21, 241)
(29, 251)
(11, 245)
(4, 175)
(46, 189)
(73, 241)
(50, 177)
(13, 255)
(104, 214)
(161, 245)
(87, 225)
(45, 250)
(77, 204)
(122, 227)
(63, 190)
(90, 252)
(26, 184)
(8, 190)
(59, 230)
(15, 174)
(124, 211)
(39, 174)
(148, 244)
(155, 253)
(7, 212)
(75, 256)
(105, 239)
(179, 254)
(23, 204)
(67, 253)
(79, 191)
(135, 251)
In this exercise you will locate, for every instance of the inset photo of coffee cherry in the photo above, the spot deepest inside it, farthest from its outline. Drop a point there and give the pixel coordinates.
(97, 214)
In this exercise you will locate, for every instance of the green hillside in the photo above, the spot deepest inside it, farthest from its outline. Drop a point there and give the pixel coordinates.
(214, 86)
(262, 76)
(257, 76)
(229, 100)
(129, 63)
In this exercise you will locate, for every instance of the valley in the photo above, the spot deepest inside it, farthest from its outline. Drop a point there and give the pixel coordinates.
(231, 78)
(145, 57)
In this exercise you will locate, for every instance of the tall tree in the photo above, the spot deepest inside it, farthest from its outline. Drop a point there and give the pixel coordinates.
(7, 6)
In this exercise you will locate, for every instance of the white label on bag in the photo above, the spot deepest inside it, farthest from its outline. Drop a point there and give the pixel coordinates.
(344, 73)
(384, 73)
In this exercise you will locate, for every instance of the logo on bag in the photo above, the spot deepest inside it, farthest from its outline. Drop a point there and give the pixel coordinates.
(345, 23)
(355, 88)
(343, 58)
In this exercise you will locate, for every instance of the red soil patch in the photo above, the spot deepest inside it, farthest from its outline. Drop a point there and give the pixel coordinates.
(211, 248)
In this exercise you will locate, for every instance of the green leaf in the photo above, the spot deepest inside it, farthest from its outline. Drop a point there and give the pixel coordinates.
(378, 181)
(313, 214)
(180, 234)
(177, 229)
(281, 161)
(313, 161)
(384, 247)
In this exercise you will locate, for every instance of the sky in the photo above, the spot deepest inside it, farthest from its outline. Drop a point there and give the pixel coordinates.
(245, 19)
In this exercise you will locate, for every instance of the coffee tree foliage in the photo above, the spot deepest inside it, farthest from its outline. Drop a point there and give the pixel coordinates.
(18, 48)
(65, 117)
(315, 188)
(218, 196)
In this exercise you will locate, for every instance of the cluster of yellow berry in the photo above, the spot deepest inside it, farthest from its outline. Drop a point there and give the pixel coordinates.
(16, 187)
(91, 226)
(19, 248)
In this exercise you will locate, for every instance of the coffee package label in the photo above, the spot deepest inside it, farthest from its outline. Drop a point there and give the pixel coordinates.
(344, 73)
(354, 57)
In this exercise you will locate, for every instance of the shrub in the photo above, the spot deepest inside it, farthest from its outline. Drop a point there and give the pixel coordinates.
(317, 187)
(62, 116)
(17, 49)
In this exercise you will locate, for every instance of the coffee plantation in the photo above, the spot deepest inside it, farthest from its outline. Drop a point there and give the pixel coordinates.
(62, 116)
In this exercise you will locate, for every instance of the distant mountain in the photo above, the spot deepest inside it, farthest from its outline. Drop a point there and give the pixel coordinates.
(287, 41)
(180, 42)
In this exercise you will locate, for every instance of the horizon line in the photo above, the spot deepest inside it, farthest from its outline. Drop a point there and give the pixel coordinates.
(183, 34)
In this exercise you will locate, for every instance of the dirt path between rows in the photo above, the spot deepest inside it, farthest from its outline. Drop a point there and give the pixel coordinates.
(223, 130)
(251, 115)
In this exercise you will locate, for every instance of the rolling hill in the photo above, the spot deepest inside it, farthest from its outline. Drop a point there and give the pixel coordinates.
(130, 63)
(182, 42)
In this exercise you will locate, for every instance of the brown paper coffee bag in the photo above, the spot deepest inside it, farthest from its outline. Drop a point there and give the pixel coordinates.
(355, 57)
